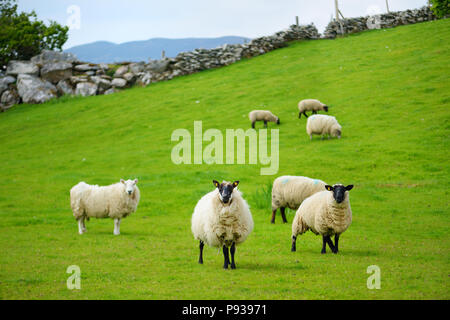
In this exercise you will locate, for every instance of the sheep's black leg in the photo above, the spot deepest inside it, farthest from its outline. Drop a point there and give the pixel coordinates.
(265, 124)
(324, 245)
(283, 215)
(200, 259)
(294, 240)
(253, 124)
(232, 251)
(336, 241)
(330, 244)
(304, 112)
(299, 115)
(226, 257)
(273, 216)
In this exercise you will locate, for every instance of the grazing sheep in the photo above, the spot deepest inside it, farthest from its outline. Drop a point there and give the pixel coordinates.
(290, 191)
(326, 213)
(262, 115)
(116, 201)
(323, 125)
(222, 218)
(310, 105)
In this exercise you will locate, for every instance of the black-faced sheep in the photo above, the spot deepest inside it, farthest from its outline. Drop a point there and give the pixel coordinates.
(222, 218)
(326, 213)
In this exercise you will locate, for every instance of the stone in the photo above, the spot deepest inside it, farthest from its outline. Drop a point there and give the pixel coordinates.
(56, 71)
(101, 83)
(129, 77)
(120, 71)
(64, 88)
(9, 98)
(110, 91)
(86, 89)
(77, 79)
(145, 79)
(118, 83)
(16, 67)
(86, 67)
(137, 67)
(5, 82)
(35, 90)
(157, 66)
(47, 56)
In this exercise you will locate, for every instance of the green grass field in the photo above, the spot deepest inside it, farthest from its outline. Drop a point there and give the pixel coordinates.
(389, 89)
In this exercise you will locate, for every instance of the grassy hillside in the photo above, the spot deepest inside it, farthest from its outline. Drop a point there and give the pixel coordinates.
(389, 90)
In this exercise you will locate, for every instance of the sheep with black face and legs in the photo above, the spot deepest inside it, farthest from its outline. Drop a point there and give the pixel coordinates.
(222, 218)
(310, 105)
(326, 213)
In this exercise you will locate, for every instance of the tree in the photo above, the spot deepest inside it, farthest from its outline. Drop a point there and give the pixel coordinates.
(23, 36)
(440, 8)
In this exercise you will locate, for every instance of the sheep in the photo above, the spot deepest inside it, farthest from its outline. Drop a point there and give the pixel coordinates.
(290, 191)
(222, 218)
(311, 105)
(262, 115)
(326, 213)
(324, 125)
(115, 201)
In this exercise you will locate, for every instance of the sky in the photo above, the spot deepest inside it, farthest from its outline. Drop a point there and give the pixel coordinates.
(121, 21)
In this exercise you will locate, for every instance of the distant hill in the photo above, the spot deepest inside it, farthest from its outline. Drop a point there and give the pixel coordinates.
(108, 52)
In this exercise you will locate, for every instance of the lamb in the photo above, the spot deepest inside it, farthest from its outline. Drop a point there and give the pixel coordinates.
(262, 115)
(323, 125)
(115, 201)
(326, 213)
(222, 218)
(290, 191)
(311, 105)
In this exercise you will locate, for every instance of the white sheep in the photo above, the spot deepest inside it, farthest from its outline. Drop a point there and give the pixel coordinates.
(326, 213)
(290, 191)
(115, 201)
(323, 125)
(222, 218)
(311, 105)
(262, 115)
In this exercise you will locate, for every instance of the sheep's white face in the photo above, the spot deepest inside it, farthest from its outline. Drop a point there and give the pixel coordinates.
(130, 185)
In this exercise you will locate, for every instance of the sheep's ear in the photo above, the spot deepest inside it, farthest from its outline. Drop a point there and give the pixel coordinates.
(329, 188)
(121, 180)
(216, 183)
(235, 184)
(135, 181)
(349, 187)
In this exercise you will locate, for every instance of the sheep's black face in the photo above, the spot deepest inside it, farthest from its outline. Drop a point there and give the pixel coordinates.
(325, 108)
(225, 190)
(278, 120)
(339, 191)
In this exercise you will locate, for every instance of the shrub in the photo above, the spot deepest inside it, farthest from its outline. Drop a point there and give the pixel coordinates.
(23, 36)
